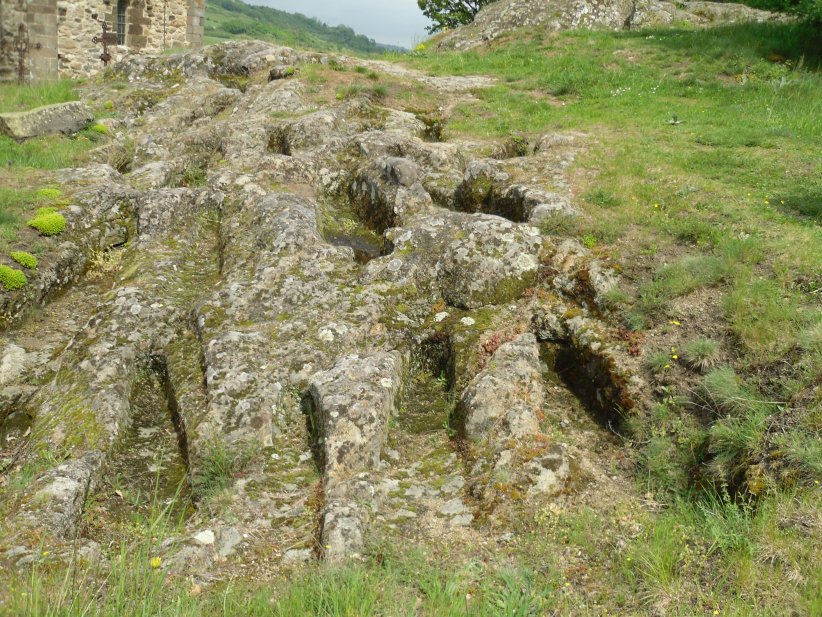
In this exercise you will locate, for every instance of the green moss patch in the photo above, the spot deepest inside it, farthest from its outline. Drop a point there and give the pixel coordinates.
(48, 222)
(11, 278)
(27, 260)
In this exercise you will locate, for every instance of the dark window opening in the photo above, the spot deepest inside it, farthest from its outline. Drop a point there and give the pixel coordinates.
(121, 21)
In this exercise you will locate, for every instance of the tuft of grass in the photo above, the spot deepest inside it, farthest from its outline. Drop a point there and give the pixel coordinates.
(702, 354)
(725, 393)
(602, 197)
(193, 175)
(728, 524)
(804, 451)
(216, 468)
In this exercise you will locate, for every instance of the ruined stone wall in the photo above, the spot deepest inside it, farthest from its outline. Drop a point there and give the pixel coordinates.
(30, 25)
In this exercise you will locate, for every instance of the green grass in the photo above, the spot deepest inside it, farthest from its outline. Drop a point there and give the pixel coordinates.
(216, 468)
(702, 354)
(22, 97)
(51, 152)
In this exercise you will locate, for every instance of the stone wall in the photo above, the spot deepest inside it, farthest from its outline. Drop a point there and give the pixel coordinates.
(152, 26)
(33, 22)
(61, 32)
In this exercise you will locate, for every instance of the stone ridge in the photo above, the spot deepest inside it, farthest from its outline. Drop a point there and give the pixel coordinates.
(504, 16)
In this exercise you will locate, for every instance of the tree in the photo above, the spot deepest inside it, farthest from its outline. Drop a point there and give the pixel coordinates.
(450, 13)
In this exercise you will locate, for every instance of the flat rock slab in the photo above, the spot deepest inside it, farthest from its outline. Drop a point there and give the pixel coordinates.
(60, 118)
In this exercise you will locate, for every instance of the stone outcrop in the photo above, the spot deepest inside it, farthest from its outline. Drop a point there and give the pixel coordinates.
(353, 402)
(304, 315)
(504, 16)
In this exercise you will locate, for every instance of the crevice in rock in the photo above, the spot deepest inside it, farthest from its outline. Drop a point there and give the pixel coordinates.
(159, 365)
(427, 401)
(365, 246)
(278, 141)
(152, 458)
(590, 378)
(486, 189)
(15, 431)
(437, 357)
(313, 425)
(13, 428)
(512, 148)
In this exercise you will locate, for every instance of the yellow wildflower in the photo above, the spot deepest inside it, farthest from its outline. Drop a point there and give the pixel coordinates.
(155, 562)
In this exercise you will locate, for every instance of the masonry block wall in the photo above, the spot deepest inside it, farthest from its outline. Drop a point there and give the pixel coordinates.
(28, 37)
(61, 32)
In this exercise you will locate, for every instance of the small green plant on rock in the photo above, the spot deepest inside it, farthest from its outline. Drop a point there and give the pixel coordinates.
(11, 279)
(48, 222)
(49, 193)
(27, 260)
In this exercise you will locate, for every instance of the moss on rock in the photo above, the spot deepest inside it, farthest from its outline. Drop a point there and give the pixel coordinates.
(48, 222)
(11, 278)
(27, 260)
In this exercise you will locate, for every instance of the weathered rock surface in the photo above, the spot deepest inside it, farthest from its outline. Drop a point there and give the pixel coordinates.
(353, 403)
(500, 409)
(503, 400)
(59, 118)
(242, 307)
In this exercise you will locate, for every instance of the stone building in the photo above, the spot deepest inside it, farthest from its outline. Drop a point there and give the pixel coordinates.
(44, 39)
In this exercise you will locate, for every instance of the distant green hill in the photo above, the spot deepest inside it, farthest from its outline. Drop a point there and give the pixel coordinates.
(233, 19)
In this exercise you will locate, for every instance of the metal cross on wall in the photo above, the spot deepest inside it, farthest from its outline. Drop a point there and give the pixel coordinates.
(107, 38)
(21, 46)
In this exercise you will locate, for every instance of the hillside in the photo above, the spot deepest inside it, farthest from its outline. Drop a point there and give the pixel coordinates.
(529, 329)
(234, 19)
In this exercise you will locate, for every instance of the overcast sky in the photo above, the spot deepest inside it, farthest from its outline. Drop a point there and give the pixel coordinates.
(395, 22)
